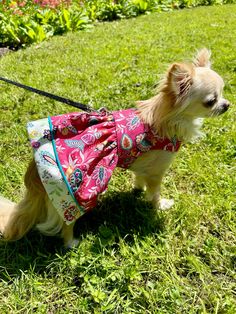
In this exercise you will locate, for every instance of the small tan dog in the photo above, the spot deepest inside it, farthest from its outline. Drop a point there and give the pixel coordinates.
(188, 93)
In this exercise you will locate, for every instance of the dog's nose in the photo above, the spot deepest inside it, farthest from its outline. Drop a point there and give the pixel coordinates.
(226, 105)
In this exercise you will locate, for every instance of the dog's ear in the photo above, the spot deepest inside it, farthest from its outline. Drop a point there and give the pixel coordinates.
(180, 77)
(202, 58)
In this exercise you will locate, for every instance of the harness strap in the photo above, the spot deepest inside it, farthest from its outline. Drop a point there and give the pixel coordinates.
(49, 95)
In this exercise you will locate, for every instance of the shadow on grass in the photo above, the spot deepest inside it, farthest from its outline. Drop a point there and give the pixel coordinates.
(124, 213)
(119, 215)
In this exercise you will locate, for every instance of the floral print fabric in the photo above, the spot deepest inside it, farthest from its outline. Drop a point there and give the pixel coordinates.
(76, 154)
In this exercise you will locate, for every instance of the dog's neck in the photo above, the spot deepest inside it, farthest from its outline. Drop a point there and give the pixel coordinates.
(158, 113)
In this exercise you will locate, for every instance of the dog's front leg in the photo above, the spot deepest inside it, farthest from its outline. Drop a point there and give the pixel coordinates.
(139, 182)
(153, 191)
(149, 170)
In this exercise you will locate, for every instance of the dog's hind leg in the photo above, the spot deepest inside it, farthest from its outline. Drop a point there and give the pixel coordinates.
(68, 235)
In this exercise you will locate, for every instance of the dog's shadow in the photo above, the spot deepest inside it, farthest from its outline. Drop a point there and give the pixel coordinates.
(118, 215)
(123, 213)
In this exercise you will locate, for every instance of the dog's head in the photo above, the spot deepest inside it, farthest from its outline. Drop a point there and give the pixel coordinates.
(188, 92)
(196, 89)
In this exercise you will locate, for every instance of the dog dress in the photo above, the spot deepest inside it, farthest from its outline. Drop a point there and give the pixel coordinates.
(76, 154)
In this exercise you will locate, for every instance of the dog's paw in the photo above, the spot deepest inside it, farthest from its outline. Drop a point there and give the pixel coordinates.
(72, 243)
(165, 204)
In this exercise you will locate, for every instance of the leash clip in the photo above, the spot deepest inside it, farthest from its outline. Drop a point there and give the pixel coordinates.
(103, 111)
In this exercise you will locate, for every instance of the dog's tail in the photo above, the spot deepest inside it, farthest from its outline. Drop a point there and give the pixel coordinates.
(17, 219)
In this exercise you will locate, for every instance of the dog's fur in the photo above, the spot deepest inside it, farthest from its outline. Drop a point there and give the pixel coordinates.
(188, 93)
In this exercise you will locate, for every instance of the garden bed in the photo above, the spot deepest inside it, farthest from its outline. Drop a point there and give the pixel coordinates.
(33, 21)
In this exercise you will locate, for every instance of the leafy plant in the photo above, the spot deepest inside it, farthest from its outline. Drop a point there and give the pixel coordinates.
(30, 26)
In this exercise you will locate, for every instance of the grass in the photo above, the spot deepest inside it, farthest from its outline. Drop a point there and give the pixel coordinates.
(183, 261)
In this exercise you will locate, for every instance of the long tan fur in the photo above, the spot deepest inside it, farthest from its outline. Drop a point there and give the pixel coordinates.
(163, 111)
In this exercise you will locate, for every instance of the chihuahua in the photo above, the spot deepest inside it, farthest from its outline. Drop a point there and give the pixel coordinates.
(75, 154)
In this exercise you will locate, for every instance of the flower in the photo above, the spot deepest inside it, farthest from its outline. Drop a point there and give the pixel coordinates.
(21, 4)
(52, 3)
(35, 144)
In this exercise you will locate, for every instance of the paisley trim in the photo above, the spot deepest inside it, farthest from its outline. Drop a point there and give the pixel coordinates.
(60, 168)
(51, 176)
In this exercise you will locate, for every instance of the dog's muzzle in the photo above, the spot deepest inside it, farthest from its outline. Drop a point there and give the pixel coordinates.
(221, 108)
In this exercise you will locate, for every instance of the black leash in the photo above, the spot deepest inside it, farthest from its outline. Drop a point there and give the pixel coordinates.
(49, 95)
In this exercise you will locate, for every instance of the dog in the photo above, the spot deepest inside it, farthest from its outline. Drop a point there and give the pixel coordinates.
(158, 126)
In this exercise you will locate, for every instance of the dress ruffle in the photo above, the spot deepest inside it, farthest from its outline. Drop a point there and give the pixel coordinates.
(86, 147)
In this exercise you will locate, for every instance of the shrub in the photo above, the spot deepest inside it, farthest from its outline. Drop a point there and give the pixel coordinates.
(23, 23)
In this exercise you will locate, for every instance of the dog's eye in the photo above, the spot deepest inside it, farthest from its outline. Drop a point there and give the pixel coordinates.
(210, 103)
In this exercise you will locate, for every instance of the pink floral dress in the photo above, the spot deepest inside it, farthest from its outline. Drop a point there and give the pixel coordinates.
(76, 154)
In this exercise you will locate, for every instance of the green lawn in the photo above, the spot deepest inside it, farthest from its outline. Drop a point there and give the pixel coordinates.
(183, 261)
